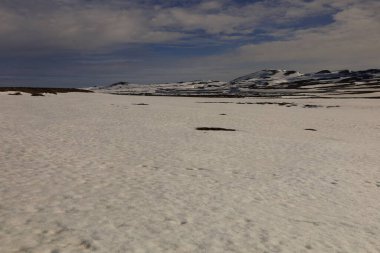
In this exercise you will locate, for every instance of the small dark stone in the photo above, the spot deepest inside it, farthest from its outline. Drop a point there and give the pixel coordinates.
(214, 129)
(310, 129)
(15, 94)
(86, 244)
(37, 95)
(311, 106)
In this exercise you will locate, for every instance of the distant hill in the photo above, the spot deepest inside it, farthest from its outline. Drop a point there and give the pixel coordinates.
(265, 83)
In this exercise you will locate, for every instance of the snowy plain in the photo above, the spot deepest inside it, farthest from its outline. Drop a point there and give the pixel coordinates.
(104, 173)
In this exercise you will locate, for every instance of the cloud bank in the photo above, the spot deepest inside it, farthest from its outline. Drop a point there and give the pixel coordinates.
(148, 41)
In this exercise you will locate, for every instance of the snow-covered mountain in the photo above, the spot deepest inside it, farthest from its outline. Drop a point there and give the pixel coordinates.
(192, 88)
(265, 83)
(275, 79)
(266, 78)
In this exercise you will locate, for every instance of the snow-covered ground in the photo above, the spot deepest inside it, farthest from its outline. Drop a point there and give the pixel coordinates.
(100, 173)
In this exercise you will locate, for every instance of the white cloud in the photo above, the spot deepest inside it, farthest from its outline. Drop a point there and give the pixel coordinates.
(189, 21)
(351, 41)
(79, 29)
(211, 5)
(79, 24)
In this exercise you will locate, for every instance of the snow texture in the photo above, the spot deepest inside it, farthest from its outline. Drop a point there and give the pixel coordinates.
(97, 173)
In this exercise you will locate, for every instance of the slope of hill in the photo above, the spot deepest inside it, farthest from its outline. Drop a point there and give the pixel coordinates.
(192, 88)
(266, 83)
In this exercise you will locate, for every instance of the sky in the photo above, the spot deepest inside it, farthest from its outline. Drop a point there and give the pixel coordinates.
(80, 43)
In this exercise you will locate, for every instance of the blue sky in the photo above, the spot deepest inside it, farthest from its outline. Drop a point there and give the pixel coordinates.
(76, 43)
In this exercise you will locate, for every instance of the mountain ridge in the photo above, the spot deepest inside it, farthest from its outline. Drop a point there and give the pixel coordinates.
(264, 83)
